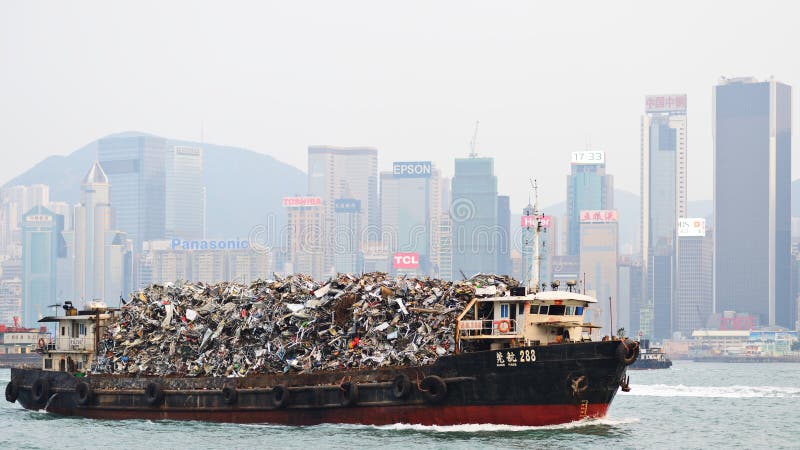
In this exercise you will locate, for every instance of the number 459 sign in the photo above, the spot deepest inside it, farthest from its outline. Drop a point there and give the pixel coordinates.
(588, 157)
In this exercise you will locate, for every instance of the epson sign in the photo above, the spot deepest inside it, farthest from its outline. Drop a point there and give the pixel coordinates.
(412, 169)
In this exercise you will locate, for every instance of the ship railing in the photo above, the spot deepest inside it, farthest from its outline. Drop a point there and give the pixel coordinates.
(71, 343)
(487, 328)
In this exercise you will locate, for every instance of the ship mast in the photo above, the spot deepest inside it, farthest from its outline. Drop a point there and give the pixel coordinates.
(536, 267)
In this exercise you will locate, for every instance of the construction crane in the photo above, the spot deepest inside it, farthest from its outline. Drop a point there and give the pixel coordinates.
(473, 145)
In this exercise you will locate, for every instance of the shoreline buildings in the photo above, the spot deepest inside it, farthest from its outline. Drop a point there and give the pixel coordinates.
(473, 217)
(752, 189)
(664, 202)
(589, 188)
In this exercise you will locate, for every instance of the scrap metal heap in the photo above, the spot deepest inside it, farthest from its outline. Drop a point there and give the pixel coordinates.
(288, 324)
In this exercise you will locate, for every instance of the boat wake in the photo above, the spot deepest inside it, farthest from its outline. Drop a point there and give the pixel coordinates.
(664, 390)
(490, 428)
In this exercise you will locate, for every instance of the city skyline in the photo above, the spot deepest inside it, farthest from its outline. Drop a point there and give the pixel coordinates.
(549, 108)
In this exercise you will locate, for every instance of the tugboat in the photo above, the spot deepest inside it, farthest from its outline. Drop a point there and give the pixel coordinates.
(526, 359)
(651, 358)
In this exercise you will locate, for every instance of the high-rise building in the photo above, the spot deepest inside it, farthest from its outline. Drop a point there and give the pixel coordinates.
(185, 202)
(118, 270)
(693, 288)
(42, 244)
(503, 235)
(663, 197)
(346, 241)
(473, 217)
(752, 188)
(629, 294)
(410, 206)
(135, 166)
(589, 188)
(10, 300)
(93, 218)
(15, 201)
(599, 237)
(304, 239)
(444, 269)
(345, 172)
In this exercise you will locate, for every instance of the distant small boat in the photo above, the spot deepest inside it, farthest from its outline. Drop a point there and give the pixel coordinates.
(651, 358)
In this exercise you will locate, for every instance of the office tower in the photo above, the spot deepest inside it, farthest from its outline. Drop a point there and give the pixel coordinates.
(445, 261)
(37, 195)
(663, 197)
(135, 166)
(473, 217)
(345, 172)
(410, 216)
(63, 209)
(693, 288)
(599, 236)
(346, 242)
(118, 270)
(185, 202)
(589, 188)
(752, 186)
(629, 293)
(503, 235)
(92, 220)
(41, 246)
(15, 201)
(305, 234)
(10, 300)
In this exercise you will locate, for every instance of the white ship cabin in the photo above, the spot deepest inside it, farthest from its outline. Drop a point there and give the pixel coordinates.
(72, 348)
(542, 318)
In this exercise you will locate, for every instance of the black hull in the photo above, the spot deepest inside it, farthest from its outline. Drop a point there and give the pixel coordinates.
(647, 364)
(533, 386)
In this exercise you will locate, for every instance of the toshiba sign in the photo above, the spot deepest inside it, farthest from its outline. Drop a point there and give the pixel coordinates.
(405, 260)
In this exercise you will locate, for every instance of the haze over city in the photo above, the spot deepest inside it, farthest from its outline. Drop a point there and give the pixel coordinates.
(411, 79)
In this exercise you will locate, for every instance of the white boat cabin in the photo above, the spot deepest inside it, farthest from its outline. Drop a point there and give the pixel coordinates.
(72, 348)
(542, 318)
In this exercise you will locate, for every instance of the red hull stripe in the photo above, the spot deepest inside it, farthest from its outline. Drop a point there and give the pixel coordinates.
(521, 415)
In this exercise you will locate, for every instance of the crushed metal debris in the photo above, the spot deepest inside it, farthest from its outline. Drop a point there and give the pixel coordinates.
(292, 324)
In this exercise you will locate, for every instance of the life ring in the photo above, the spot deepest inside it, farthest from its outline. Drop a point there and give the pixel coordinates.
(627, 351)
(434, 389)
(153, 394)
(504, 326)
(12, 391)
(40, 391)
(83, 393)
(401, 386)
(348, 394)
(229, 395)
(41, 343)
(280, 396)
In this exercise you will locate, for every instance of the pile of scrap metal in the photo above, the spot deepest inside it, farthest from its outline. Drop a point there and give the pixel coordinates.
(288, 324)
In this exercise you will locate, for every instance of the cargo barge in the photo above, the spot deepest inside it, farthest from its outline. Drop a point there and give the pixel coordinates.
(526, 358)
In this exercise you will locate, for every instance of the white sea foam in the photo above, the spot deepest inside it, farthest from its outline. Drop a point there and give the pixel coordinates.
(664, 390)
(483, 428)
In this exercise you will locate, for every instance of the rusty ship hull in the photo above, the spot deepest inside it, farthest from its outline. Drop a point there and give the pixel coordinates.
(527, 386)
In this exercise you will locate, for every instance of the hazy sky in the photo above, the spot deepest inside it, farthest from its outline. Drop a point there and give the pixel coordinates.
(410, 78)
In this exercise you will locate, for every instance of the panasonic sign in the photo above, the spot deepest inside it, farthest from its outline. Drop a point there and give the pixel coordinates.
(204, 244)
(412, 169)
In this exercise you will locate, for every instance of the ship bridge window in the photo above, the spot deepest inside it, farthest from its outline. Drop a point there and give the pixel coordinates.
(556, 310)
(579, 310)
(542, 309)
(504, 309)
(48, 363)
(82, 329)
(521, 309)
(570, 311)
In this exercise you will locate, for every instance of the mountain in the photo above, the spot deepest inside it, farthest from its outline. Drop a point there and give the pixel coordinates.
(243, 188)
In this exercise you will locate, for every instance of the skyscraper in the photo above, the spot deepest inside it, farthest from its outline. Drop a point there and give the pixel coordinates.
(304, 238)
(41, 245)
(410, 206)
(503, 235)
(345, 172)
(693, 288)
(752, 186)
(135, 166)
(663, 197)
(92, 220)
(347, 245)
(185, 203)
(588, 188)
(473, 215)
(599, 237)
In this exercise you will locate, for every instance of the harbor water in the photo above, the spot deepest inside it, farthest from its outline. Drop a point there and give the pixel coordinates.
(691, 405)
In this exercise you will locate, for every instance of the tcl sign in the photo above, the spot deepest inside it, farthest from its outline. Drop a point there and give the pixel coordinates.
(405, 260)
